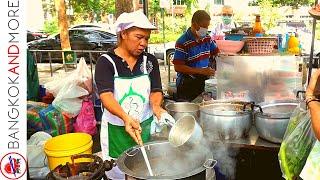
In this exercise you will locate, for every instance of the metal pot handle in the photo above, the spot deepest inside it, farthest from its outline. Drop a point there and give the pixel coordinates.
(207, 94)
(134, 151)
(210, 163)
(300, 92)
(258, 106)
(108, 165)
(252, 104)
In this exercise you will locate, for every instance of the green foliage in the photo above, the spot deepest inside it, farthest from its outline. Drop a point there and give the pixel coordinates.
(154, 7)
(173, 28)
(51, 26)
(318, 32)
(97, 7)
(158, 38)
(269, 14)
(293, 3)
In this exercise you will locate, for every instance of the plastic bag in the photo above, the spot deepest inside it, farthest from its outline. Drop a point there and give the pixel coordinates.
(36, 155)
(297, 144)
(75, 86)
(68, 100)
(81, 77)
(311, 170)
(86, 121)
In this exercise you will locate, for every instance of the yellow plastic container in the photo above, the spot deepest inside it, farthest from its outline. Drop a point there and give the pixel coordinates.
(60, 148)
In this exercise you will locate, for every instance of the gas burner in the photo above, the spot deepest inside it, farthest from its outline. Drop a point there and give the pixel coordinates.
(93, 169)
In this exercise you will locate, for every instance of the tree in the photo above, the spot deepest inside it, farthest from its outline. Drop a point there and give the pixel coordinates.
(123, 6)
(292, 3)
(93, 8)
(269, 14)
(63, 24)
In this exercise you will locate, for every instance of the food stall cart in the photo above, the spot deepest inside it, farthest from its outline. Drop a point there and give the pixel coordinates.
(258, 78)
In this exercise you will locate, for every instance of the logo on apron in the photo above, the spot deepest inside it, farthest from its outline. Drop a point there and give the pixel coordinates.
(132, 103)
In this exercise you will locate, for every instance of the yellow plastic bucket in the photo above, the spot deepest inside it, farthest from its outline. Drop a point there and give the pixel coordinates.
(60, 148)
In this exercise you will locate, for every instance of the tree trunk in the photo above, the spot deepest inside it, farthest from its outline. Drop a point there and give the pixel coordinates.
(63, 24)
(123, 6)
(135, 4)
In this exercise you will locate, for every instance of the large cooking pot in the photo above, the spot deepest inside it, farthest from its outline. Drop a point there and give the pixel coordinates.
(180, 109)
(166, 162)
(271, 123)
(226, 120)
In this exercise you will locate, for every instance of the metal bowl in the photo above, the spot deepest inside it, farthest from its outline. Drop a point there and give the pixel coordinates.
(179, 109)
(271, 124)
(185, 133)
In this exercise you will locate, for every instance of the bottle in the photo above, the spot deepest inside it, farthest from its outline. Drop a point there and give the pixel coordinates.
(257, 29)
(293, 45)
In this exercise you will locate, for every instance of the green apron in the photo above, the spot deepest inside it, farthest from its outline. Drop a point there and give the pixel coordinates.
(132, 93)
(120, 140)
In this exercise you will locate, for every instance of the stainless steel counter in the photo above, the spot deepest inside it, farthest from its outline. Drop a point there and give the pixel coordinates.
(258, 78)
(251, 141)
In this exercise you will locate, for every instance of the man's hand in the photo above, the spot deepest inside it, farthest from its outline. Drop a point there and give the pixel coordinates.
(133, 128)
(207, 71)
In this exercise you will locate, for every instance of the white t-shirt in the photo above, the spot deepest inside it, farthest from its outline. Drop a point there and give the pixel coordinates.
(221, 28)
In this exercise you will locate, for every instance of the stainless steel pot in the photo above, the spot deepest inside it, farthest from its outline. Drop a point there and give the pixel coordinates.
(180, 109)
(272, 122)
(166, 162)
(228, 120)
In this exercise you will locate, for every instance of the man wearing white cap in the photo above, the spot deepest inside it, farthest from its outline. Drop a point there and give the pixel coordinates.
(226, 24)
(129, 84)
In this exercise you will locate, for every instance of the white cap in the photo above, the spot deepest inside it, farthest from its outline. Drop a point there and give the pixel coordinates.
(133, 19)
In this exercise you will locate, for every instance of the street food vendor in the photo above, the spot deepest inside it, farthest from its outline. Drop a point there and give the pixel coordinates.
(129, 85)
(193, 57)
(226, 24)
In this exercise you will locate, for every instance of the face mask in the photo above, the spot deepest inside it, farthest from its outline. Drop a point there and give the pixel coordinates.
(226, 19)
(202, 32)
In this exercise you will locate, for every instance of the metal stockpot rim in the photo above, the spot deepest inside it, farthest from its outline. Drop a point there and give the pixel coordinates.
(182, 110)
(133, 151)
(209, 110)
(276, 115)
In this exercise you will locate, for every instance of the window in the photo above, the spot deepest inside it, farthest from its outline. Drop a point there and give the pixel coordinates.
(179, 2)
(104, 36)
(219, 2)
(92, 36)
(77, 35)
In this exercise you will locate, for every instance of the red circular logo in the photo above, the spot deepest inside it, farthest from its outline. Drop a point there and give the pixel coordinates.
(13, 165)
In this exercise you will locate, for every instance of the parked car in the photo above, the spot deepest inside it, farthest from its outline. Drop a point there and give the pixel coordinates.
(159, 51)
(104, 27)
(31, 36)
(86, 26)
(80, 39)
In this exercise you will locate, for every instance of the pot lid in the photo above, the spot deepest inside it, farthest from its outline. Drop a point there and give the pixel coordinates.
(278, 109)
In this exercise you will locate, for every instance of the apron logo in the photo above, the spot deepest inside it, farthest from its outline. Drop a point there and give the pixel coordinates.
(132, 103)
(149, 67)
